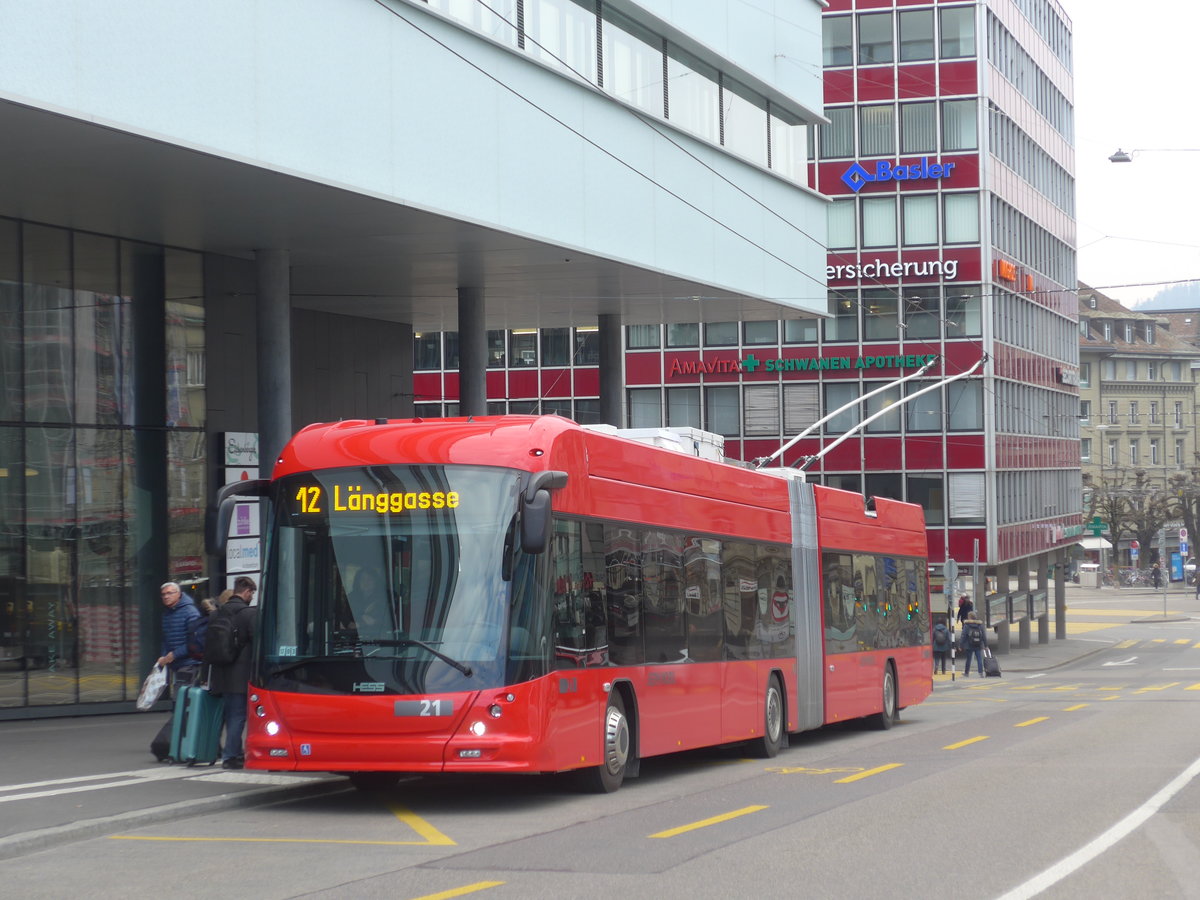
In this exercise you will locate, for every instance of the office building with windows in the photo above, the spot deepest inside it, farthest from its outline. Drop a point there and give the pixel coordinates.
(1137, 414)
(948, 159)
(220, 223)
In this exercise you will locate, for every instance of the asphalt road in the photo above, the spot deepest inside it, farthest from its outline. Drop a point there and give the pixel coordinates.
(1071, 776)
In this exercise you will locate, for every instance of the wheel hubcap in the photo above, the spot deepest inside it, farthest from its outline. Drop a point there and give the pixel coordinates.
(616, 741)
(774, 713)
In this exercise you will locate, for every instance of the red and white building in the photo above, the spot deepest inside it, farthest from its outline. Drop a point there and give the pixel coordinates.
(948, 160)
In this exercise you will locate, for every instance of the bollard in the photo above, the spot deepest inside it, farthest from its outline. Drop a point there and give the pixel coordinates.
(1023, 629)
(1044, 628)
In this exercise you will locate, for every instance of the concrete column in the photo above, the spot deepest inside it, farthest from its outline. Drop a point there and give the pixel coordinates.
(612, 370)
(273, 319)
(1002, 588)
(1060, 598)
(1003, 639)
(401, 400)
(472, 353)
(145, 285)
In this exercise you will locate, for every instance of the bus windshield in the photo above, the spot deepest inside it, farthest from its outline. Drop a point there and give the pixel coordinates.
(392, 579)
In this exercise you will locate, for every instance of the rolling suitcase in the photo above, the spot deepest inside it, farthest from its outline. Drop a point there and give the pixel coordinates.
(196, 726)
(991, 666)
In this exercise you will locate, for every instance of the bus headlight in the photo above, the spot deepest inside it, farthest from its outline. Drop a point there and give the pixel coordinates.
(272, 728)
(478, 729)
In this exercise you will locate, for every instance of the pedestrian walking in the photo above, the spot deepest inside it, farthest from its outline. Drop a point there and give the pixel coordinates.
(941, 646)
(965, 608)
(228, 651)
(1156, 576)
(974, 640)
(179, 610)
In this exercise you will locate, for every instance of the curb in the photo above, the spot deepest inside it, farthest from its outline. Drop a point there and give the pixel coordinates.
(46, 838)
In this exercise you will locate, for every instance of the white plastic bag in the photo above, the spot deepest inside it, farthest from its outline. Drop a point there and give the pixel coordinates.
(152, 687)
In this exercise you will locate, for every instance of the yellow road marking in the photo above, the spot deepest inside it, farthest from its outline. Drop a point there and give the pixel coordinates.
(1194, 687)
(1196, 646)
(1111, 697)
(1157, 687)
(1184, 641)
(458, 892)
(1110, 688)
(868, 773)
(433, 837)
(1031, 721)
(1158, 640)
(254, 840)
(1075, 707)
(420, 826)
(804, 770)
(1086, 627)
(1123, 613)
(1125, 645)
(704, 823)
(968, 741)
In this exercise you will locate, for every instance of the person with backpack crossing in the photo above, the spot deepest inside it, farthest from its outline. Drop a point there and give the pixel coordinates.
(973, 642)
(228, 648)
(941, 647)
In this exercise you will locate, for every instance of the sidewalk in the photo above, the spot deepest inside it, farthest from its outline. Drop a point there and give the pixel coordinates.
(74, 778)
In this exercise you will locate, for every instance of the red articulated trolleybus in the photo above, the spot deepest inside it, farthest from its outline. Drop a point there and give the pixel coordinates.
(525, 594)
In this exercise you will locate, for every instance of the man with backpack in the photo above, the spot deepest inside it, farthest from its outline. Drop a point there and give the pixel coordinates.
(941, 647)
(973, 641)
(228, 649)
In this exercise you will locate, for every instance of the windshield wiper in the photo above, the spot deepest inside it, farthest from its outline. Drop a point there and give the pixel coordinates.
(413, 642)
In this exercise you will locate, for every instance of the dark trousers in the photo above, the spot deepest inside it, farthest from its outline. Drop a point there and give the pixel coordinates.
(939, 659)
(977, 652)
(235, 725)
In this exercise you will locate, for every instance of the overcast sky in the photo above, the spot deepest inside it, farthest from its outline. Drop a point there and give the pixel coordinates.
(1137, 75)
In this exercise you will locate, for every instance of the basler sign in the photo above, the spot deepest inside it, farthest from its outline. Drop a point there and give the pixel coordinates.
(858, 176)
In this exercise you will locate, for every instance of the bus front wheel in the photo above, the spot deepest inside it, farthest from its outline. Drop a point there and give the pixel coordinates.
(767, 746)
(608, 776)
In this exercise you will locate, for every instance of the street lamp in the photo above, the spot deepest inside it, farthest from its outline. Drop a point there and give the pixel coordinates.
(1101, 428)
(1122, 156)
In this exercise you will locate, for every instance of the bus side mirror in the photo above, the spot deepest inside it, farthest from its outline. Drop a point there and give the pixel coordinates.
(217, 516)
(535, 517)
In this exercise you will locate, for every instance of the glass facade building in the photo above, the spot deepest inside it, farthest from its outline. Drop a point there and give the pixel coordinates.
(103, 469)
(193, 265)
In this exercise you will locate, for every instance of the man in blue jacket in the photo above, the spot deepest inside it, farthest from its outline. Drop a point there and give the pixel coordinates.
(178, 611)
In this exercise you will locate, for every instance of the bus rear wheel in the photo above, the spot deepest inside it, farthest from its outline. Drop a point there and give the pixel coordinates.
(767, 746)
(608, 776)
(887, 716)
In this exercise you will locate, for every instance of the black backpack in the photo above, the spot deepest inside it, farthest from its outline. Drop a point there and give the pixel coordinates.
(941, 637)
(223, 641)
(974, 635)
